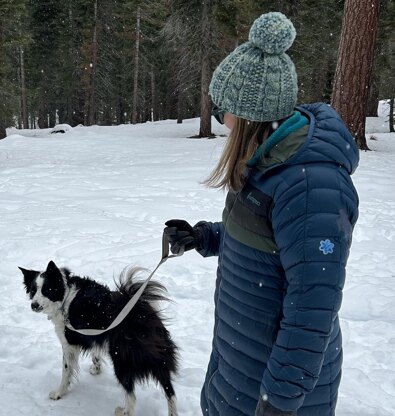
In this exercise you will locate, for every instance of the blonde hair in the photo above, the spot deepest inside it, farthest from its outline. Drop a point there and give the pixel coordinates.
(244, 139)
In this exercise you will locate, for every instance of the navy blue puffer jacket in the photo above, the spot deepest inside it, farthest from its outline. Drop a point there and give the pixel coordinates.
(283, 245)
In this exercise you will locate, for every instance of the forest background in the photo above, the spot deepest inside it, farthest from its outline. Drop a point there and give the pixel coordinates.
(110, 62)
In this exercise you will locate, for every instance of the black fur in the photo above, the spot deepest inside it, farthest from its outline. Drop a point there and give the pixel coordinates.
(140, 347)
(29, 277)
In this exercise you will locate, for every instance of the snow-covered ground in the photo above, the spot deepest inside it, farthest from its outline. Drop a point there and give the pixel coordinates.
(95, 200)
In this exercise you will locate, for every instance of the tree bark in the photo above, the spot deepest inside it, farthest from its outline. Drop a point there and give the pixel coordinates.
(374, 92)
(354, 65)
(92, 83)
(180, 106)
(42, 120)
(373, 98)
(391, 115)
(3, 133)
(153, 96)
(136, 68)
(25, 117)
(205, 101)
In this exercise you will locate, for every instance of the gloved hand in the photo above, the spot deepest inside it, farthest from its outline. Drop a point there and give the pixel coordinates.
(181, 234)
(264, 408)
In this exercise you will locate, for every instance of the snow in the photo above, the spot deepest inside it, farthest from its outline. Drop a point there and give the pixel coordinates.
(383, 109)
(95, 199)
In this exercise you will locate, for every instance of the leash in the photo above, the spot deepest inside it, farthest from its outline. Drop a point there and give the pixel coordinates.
(132, 302)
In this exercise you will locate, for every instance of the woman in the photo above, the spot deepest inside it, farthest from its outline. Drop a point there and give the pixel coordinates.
(284, 237)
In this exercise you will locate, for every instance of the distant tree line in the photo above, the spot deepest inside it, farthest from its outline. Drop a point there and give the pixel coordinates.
(128, 61)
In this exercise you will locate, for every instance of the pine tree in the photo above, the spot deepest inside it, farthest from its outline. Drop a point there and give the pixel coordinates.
(195, 34)
(383, 77)
(386, 60)
(44, 58)
(355, 63)
(76, 62)
(181, 33)
(13, 39)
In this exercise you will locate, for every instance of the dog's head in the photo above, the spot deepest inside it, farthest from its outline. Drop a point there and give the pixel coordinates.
(46, 289)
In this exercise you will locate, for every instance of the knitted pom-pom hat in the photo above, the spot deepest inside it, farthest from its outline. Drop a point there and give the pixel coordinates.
(257, 81)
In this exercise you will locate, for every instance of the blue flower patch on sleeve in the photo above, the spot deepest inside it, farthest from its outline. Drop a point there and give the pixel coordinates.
(326, 246)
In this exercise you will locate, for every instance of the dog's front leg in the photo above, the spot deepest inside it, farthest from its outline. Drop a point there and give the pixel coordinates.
(69, 370)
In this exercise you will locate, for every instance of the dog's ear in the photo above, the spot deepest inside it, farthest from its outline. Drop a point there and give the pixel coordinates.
(28, 277)
(55, 281)
(52, 269)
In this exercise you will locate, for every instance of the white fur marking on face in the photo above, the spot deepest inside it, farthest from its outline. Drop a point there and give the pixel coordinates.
(48, 307)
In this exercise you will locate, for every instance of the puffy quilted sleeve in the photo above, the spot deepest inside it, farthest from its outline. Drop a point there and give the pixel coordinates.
(211, 237)
(315, 209)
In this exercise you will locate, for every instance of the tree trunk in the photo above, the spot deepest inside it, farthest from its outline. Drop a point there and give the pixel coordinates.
(373, 98)
(42, 120)
(205, 101)
(107, 114)
(153, 96)
(25, 117)
(180, 106)
(3, 133)
(391, 115)
(136, 68)
(92, 83)
(354, 65)
(51, 117)
(374, 92)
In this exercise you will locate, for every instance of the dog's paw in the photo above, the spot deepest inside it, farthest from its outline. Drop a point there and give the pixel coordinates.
(56, 395)
(95, 369)
(121, 411)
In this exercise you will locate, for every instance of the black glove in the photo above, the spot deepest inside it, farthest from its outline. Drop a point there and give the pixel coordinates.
(182, 234)
(264, 408)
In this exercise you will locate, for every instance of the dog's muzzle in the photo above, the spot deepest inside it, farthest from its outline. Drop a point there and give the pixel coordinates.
(36, 307)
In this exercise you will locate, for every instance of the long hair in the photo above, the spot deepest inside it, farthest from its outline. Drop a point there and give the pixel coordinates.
(244, 139)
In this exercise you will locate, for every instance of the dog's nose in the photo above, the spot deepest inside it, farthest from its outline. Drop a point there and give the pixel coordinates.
(36, 307)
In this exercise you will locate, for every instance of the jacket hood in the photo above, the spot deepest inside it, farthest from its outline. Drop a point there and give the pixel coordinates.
(328, 139)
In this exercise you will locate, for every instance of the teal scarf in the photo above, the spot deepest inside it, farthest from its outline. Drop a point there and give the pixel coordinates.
(293, 123)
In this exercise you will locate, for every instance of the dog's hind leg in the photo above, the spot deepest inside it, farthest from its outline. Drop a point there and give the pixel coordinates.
(163, 376)
(126, 378)
(97, 361)
(130, 403)
(69, 370)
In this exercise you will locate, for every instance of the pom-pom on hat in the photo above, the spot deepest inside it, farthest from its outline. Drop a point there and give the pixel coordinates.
(258, 81)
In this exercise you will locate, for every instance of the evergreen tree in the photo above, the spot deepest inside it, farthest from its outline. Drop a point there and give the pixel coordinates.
(182, 35)
(45, 57)
(13, 39)
(354, 65)
(386, 60)
(82, 62)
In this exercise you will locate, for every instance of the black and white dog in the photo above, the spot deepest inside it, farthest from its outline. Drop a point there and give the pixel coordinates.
(140, 347)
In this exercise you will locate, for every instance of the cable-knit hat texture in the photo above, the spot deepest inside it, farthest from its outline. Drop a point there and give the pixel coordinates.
(258, 81)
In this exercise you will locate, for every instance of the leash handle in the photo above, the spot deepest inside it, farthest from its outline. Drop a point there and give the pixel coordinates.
(165, 249)
(132, 302)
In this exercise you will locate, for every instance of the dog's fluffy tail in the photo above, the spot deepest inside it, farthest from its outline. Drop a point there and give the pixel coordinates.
(127, 285)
